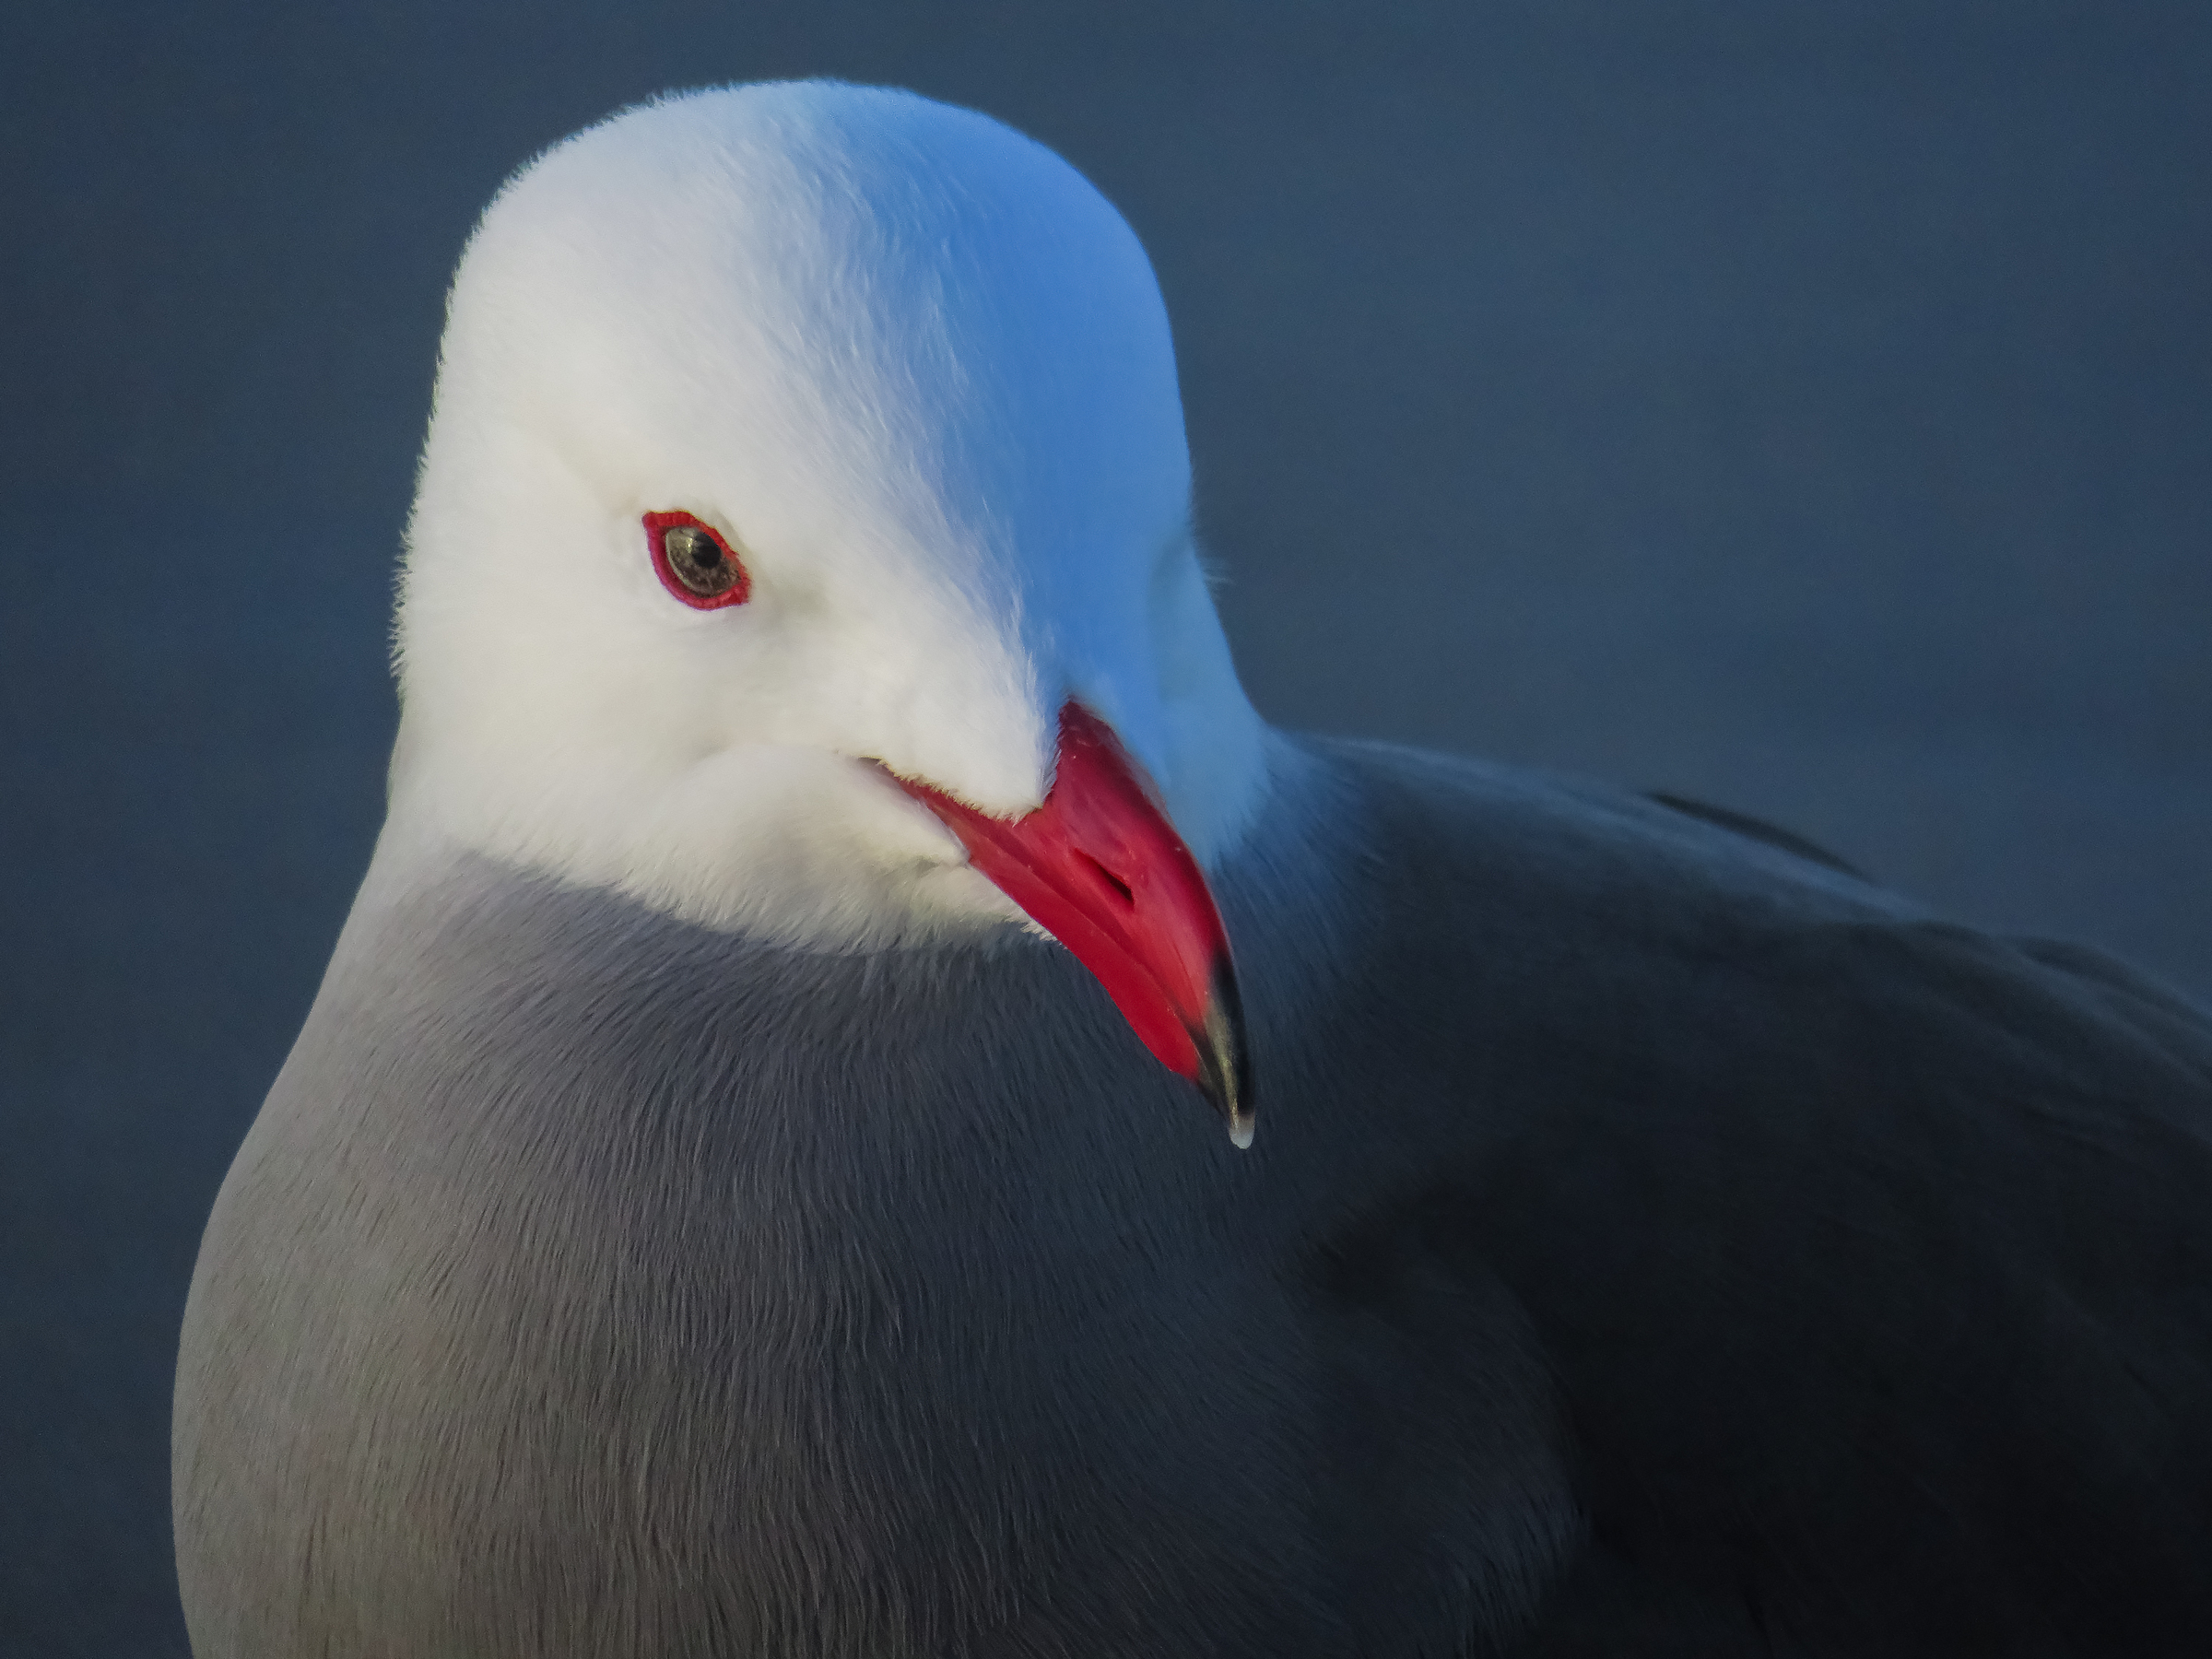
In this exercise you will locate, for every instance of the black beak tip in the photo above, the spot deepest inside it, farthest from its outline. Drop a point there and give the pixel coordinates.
(1224, 1056)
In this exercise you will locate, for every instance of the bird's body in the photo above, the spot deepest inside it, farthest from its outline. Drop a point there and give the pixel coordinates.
(1847, 1271)
(1656, 1242)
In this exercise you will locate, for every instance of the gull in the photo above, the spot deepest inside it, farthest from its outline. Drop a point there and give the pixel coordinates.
(869, 1106)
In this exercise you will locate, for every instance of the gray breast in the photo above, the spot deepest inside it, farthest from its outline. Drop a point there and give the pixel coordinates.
(596, 1284)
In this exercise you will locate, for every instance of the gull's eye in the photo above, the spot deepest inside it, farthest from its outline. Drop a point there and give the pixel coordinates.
(694, 562)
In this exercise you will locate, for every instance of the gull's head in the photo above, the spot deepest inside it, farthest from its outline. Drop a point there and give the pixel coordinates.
(791, 441)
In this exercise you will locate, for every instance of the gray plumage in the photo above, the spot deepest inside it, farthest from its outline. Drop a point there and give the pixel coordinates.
(1655, 1242)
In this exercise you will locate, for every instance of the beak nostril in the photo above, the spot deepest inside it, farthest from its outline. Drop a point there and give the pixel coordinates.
(1108, 878)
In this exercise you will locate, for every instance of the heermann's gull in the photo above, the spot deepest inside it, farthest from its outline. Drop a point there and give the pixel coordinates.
(706, 1214)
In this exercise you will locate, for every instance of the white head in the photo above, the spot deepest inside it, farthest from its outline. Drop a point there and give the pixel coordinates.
(917, 373)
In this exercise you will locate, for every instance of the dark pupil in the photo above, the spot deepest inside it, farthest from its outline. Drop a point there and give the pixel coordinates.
(697, 561)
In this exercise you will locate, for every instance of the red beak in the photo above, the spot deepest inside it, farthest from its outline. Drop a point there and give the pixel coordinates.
(1099, 868)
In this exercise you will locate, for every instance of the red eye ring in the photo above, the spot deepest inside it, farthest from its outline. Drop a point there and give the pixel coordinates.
(701, 567)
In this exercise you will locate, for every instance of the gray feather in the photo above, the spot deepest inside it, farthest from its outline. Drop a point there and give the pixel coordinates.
(1652, 1237)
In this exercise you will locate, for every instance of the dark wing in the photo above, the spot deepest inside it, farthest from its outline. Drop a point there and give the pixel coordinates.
(1882, 1304)
(1872, 1258)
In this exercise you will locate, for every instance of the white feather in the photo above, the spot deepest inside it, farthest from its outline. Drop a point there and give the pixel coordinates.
(918, 370)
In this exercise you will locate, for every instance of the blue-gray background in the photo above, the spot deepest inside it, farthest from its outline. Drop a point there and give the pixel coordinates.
(1802, 407)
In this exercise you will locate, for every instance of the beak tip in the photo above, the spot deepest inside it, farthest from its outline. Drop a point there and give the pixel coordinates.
(1225, 1074)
